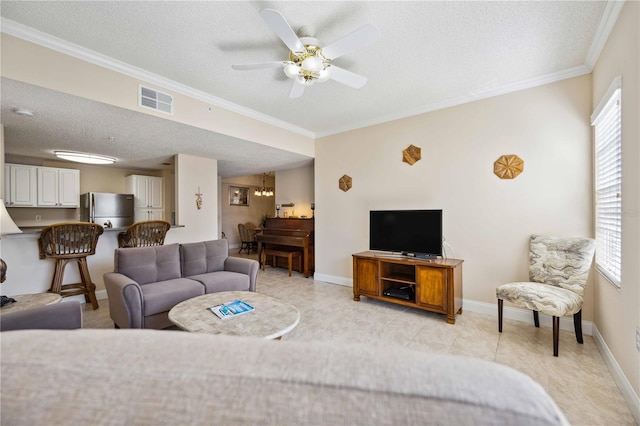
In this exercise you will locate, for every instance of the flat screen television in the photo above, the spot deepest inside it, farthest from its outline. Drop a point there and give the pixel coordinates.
(415, 233)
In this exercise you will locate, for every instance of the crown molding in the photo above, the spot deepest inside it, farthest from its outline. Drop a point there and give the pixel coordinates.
(29, 34)
(607, 21)
(471, 97)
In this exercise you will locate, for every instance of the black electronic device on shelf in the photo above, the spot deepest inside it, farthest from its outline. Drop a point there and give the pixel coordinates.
(404, 293)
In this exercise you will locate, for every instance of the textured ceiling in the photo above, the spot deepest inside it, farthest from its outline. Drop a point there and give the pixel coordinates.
(430, 54)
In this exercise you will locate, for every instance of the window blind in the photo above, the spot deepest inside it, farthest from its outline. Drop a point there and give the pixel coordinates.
(607, 122)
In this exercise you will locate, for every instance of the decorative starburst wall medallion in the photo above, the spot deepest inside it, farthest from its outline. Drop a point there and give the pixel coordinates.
(508, 166)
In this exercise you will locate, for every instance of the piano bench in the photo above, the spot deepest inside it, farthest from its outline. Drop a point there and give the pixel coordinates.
(280, 253)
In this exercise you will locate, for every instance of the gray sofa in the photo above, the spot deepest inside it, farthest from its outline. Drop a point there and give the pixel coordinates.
(59, 316)
(148, 281)
(154, 377)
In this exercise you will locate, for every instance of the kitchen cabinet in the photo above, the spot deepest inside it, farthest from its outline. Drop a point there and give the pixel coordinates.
(20, 185)
(58, 187)
(149, 195)
(147, 214)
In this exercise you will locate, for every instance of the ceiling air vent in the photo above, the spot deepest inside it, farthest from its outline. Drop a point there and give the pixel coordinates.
(153, 99)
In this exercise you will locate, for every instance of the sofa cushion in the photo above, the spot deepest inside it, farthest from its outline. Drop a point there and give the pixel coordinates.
(164, 295)
(149, 264)
(203, 257)
(147, 377)
(223, 281)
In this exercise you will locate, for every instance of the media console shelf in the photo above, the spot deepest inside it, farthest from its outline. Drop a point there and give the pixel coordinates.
(433, 285)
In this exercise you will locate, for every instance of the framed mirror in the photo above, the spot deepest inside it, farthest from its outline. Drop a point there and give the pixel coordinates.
(238, 195)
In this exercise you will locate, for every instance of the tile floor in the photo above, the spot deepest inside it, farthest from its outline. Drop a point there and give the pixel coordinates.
(578, 379)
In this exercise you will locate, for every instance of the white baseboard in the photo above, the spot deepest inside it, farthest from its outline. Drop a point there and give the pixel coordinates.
(524, 315)
(347, 282)
(100, 295)
(630, 396)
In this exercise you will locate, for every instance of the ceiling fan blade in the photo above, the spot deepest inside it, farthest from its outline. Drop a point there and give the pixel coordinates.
(281, 27)
(358, 39)
(263, 65)
(296, 90)
(347, 77)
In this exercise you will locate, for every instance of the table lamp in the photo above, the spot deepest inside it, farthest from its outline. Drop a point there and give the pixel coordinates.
(7, 226)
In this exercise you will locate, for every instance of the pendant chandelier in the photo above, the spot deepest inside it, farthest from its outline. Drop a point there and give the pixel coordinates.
(264, 191)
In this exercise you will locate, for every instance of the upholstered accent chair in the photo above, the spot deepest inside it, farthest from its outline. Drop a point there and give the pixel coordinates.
(558, 272)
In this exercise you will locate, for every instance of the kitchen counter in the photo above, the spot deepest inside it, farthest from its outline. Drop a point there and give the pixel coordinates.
(37, 229)
(27, 273)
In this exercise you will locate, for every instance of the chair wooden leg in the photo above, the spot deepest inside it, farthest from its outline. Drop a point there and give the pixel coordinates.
(58, 275)
(556, 334)
(536, 319)
(500, 302)
(89, 286)
(577, 325)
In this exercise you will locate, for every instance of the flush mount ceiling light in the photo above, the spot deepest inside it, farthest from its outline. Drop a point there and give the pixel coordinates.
(81, 157)
(23, 112)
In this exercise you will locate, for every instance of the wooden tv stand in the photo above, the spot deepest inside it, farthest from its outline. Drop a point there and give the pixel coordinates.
(436, 283)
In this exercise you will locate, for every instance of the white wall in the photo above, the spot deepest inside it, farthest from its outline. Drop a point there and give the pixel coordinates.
(193, 173)
(487, 220)
(617, 313)
(296, 186)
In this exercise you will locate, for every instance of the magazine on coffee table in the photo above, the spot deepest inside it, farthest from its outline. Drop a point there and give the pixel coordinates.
(231, 309)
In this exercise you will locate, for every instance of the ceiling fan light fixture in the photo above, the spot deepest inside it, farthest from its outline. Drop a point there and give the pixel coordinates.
(291, 70)
(81, 157)
(312, 64)
(304, 80)
(324, 74)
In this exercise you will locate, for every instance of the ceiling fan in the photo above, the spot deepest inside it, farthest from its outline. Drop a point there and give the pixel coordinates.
(309, 61)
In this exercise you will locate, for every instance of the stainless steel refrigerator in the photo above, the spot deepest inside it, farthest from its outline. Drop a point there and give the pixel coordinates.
(107, 209)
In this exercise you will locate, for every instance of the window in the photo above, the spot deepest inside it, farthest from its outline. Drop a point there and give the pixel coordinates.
(607, 123)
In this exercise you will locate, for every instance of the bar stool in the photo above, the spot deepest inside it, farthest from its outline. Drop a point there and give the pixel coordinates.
(144, 234)
(69, 241)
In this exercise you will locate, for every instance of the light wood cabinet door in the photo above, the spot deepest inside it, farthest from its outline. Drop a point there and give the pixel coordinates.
(366, 277)
(431, 288)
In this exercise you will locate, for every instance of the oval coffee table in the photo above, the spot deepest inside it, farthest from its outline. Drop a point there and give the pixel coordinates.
(270, 319)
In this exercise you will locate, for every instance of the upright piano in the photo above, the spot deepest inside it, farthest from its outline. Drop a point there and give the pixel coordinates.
(289, 234)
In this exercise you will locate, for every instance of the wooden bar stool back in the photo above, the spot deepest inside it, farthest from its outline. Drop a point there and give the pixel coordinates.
(144, 234)
(69, 241)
